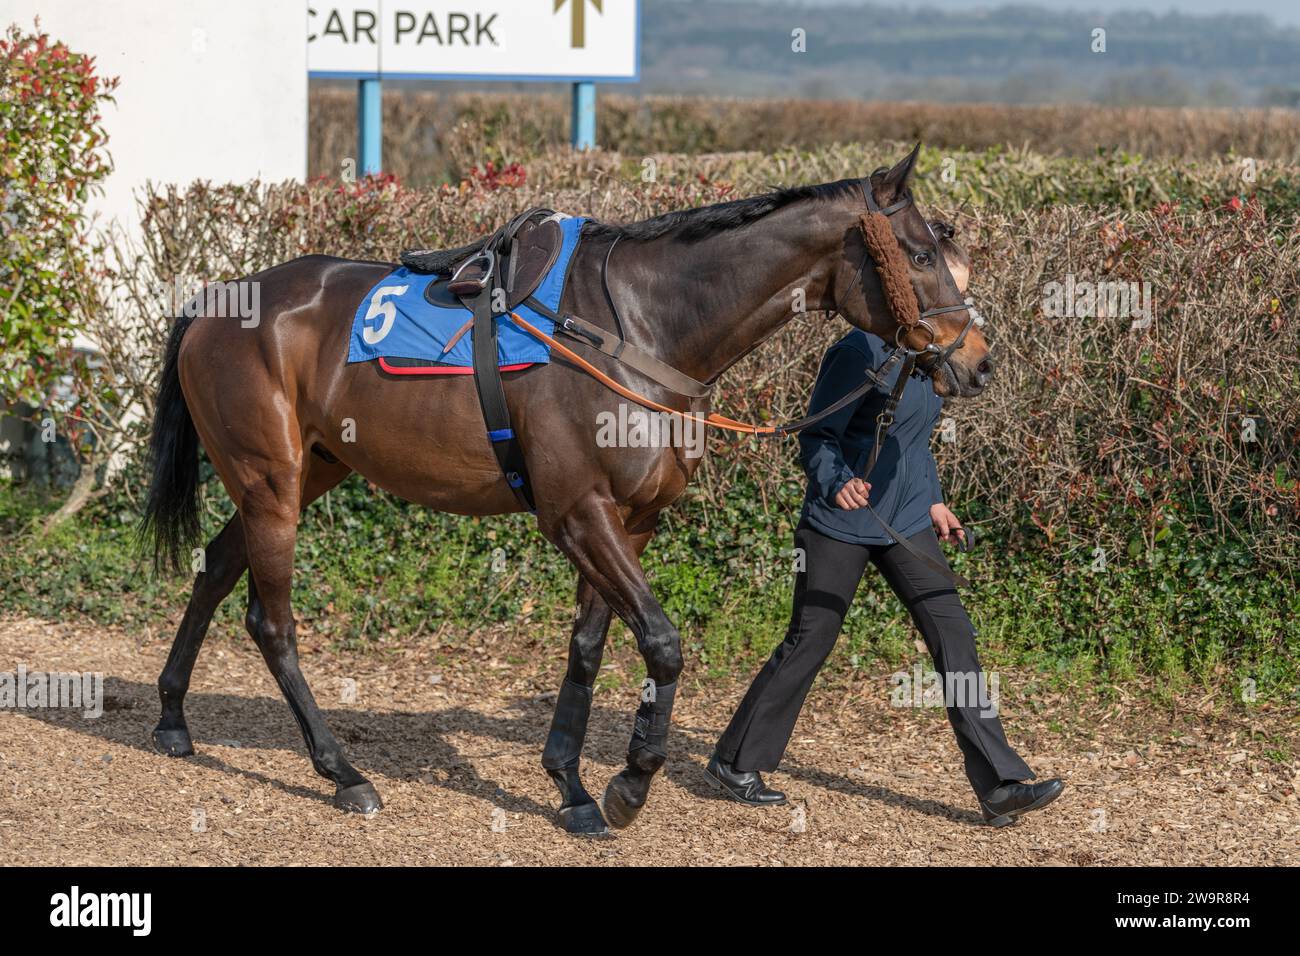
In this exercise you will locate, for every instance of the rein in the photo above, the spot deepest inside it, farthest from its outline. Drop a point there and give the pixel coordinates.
(883, 423)
(713, 419)
(902, 301)
(884, 251)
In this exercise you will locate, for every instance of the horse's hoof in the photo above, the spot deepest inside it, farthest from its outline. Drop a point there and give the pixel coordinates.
(359, 798)
(618, 810)
(173, 743)
(583, 820)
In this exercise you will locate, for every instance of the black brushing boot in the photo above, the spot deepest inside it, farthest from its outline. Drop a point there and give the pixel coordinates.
(579, 813)
(627, 792)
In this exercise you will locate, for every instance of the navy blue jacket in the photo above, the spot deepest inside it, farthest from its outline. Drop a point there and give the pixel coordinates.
(904, 483)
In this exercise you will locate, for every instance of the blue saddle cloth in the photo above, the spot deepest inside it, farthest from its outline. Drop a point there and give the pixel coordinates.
(394, 320)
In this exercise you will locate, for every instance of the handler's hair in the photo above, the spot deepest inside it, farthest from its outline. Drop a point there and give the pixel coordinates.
(959, 261)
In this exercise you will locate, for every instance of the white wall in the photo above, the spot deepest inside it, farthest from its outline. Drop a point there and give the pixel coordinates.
(211, 89)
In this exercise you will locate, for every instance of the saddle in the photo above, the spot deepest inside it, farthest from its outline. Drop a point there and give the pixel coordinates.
(515, 258)
(491, 277)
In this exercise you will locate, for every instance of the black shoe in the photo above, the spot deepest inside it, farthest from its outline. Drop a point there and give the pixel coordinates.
(1003, 804)
(745, 786)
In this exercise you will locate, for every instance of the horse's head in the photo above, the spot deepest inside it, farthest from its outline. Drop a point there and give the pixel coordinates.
(904, 279)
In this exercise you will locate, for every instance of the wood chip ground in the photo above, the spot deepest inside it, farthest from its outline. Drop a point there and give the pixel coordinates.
(451, 734)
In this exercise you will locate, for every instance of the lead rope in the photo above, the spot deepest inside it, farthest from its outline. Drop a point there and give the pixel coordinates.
(883, 421)
(713, 419)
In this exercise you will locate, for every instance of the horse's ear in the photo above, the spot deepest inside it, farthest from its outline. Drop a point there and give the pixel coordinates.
(895, 180)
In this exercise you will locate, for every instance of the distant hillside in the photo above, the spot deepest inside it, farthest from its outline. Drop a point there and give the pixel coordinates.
(1014, 54)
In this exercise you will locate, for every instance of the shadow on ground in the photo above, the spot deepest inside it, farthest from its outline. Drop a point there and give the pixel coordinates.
(413, 745)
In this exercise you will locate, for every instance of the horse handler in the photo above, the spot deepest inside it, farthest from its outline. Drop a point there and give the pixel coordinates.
(838, 537)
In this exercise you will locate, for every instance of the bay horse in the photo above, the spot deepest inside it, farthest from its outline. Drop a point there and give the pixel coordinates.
(698, 289)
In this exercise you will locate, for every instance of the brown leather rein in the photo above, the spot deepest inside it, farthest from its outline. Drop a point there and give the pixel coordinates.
(883, 422)
(713, 419)
(902, 302)
(618, 348)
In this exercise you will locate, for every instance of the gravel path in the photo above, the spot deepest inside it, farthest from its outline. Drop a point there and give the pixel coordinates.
(452, 736)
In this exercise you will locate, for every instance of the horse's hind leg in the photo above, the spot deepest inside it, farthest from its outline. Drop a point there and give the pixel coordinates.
(593, 536)
(270, 517)
(224, 562)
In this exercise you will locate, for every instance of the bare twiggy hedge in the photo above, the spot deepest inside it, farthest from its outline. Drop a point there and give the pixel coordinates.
(1100, 432)
(1097, 433)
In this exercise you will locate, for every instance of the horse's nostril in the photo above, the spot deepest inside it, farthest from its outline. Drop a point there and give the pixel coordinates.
(985, 370)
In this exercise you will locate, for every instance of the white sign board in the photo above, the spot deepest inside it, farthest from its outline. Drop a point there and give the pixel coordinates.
(551, 40)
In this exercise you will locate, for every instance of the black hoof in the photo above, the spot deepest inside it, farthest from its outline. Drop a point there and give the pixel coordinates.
(359, 798)
(583, 820)
(617, 806)
(173, 743)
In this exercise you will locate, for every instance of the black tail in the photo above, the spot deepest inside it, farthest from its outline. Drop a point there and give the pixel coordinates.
(171, 515)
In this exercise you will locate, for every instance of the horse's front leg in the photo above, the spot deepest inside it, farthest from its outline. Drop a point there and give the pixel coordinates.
(562, 756)
(592, 534)
(579, 813)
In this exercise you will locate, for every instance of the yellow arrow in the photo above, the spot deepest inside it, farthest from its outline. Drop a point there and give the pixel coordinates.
(578, 9)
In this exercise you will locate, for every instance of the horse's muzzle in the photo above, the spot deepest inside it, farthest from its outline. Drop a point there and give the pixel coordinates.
(959, 380)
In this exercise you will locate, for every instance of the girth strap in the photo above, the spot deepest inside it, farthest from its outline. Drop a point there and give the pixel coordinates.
(500, 253)
(492, 399)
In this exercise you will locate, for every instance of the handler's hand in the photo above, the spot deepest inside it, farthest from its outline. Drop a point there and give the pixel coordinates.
(853, 494)
(946, 525)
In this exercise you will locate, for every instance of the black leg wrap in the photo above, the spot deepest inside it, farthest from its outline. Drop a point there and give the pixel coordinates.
(650, 729)
(579, 814)
(626, 793)
(568, 727)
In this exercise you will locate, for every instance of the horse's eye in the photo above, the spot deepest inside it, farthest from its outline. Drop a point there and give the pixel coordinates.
(922, 259)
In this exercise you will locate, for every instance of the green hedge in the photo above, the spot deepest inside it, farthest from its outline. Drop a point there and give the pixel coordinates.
(370, 566)
(51, 160)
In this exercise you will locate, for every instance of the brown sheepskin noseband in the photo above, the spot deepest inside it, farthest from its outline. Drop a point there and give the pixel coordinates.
(891, 266)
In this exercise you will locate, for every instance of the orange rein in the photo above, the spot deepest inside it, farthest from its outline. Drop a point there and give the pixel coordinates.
(717, 421)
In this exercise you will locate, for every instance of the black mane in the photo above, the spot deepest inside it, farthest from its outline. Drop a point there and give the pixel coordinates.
(691, 225)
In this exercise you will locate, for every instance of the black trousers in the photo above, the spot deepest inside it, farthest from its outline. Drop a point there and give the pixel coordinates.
(759, 732)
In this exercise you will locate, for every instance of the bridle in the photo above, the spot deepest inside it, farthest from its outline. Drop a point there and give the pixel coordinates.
(905, 328)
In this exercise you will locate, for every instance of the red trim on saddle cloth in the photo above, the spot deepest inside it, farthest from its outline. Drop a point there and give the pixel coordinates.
(442, 369)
